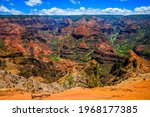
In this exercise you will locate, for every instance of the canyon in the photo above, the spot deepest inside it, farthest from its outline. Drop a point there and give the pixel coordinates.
(69, 57)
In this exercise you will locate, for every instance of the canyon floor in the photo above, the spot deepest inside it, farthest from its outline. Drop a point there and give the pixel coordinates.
(137, 88)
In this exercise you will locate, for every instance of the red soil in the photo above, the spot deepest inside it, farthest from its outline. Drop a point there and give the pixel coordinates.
(132, 89)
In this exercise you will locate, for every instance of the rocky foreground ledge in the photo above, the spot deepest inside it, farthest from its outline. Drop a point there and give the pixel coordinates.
(135, 88)
(8, 80)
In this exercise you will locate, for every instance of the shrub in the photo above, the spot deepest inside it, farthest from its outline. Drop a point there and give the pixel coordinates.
(1, 43)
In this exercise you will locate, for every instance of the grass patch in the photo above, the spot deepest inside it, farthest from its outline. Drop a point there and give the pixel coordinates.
(54, 58)
(1, 43)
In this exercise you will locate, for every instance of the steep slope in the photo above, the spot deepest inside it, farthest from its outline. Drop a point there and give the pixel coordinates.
(135, 89)
(13, 41)
(130, 67)
(80, 51)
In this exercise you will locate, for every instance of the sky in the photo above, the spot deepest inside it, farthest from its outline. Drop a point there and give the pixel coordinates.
(74, 7)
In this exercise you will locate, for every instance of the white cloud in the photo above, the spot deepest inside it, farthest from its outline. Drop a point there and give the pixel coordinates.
(142, 10)
(117, 11)
(91, 11)
(33, 2)
(15, 12)
(75, 1)
(3, 9)
(82, 11)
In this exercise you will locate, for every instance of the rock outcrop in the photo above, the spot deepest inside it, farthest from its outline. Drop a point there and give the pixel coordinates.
(8, 80)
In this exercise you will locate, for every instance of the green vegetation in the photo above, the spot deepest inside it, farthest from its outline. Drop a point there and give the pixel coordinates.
(92, 70)
(54, 58)
(69, 82)
(118, 69)
(87, 56)
(34, 67)
(92, 55)
(53, 41)
(128, 42)
(1, 43)
(5, 54)
(2, 64)
(113, 37)
(123, 49)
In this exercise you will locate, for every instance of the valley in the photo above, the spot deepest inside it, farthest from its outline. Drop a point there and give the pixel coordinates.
(75, 57)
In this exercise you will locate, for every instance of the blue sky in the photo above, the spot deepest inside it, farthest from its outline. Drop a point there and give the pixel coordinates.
(74, 7)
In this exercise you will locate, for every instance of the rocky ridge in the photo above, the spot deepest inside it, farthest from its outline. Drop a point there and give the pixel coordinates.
(53, 54)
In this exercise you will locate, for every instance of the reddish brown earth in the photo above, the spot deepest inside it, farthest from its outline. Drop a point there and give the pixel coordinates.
(39, 38)
(132, 89)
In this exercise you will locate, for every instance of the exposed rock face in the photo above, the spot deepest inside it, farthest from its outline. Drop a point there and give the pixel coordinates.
(72, 51)
(32, 67)
(132, 28)
(32, 36)
(85, 28)
(134, 64)
(104, 48)
(39, 37)
(8, 80)
(83, 45)
(81, 21)
(14, 40)
(143, 50)
(82, 76)
(142, 65)
(107, 29)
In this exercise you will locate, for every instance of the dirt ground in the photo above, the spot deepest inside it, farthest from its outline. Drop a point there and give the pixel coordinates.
(131, 89)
